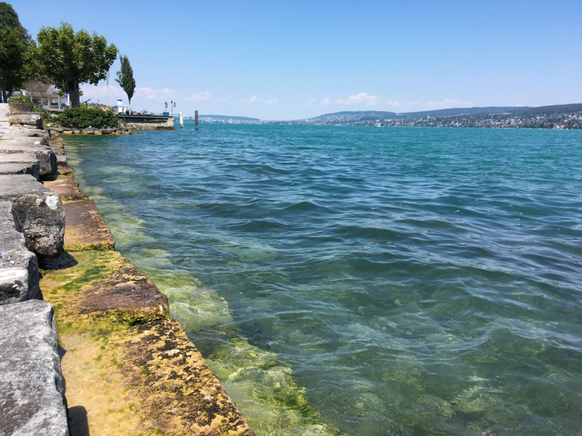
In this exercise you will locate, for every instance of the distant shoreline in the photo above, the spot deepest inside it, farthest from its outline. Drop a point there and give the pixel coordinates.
(566, 117)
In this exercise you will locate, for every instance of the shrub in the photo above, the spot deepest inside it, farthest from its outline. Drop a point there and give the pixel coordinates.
(82, 118)
(20, 98)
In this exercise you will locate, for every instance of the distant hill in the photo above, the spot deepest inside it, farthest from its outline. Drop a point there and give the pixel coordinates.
(353, 116)
(549, 110)
(226, 119)
(370, 117)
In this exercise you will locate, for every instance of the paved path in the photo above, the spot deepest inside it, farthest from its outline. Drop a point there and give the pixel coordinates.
(4, 126)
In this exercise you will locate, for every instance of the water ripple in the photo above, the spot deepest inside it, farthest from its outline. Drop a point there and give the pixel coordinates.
(403, 281)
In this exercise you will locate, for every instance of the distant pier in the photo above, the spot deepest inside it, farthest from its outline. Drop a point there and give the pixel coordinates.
(148, 121)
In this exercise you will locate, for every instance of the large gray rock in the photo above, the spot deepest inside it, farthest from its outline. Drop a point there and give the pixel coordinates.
(30, 119)
(40, 213)
(20, 133)
(31, 168)
(32, 387)
(46, 157)
(18, 266)
(21, 159)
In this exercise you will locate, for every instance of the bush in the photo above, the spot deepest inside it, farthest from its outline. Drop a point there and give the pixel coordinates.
(82, 118)
(20, 98)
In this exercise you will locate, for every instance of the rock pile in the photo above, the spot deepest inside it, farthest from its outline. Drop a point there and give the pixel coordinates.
(94, 131)
(32, 223)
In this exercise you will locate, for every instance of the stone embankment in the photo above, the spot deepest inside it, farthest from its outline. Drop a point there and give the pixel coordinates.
(123, 130)
(128, 368)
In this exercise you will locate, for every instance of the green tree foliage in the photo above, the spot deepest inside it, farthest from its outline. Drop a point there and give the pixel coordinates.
(68, 59)
(82, 118)
(125, 78)
(14, 50)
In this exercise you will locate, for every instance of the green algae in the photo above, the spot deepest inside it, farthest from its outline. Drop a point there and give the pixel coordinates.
(65, 278)
(261, 385)
(265, 391)
(76, 269)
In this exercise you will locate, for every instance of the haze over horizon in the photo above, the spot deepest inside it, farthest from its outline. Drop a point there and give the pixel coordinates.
(278, 61)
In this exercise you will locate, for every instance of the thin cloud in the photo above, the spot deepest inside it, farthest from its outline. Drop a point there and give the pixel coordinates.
(201, 96)
(154, 94)
(101, 91)
(326, 101)
(365, 99)
(255, 99)
(444, 104)
(204, 96)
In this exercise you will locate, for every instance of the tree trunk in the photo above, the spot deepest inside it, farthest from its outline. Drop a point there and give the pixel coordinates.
(73, 91)
(129, 104)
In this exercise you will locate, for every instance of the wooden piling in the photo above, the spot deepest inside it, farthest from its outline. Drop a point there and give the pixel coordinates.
(196, 120)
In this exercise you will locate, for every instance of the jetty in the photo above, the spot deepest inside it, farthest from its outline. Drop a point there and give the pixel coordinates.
(88, 345)
(148, 121)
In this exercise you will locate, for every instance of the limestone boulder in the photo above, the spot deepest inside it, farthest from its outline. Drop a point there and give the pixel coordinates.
(26, 119)
(30, 167)
(32, 398)
(40, 213)
(31, 136)
(24, 161)
(47, 159)
(18, 266)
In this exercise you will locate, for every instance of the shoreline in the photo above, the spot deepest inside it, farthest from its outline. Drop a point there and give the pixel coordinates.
(100, 354)
(156, 380)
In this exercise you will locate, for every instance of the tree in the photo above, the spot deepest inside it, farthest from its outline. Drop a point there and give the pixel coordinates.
(14, 45)
(68, 59)
(125, 78)
(39, 90)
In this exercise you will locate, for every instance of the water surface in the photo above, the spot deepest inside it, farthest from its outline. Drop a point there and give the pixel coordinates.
(363, 281)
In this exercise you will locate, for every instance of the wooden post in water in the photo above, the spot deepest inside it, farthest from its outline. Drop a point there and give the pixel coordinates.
(196, 120)
(181, 121)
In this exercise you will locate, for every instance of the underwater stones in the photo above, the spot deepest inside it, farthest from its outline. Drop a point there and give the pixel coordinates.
(85, 229)
(127, 295)
(67, 189)
(18, 266)
(32, 398)
(178, 390)
(39, 211)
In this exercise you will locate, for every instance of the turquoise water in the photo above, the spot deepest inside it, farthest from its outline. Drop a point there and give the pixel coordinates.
(363, 281)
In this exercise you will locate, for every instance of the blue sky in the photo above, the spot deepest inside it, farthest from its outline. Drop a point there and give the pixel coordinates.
(278, 60)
